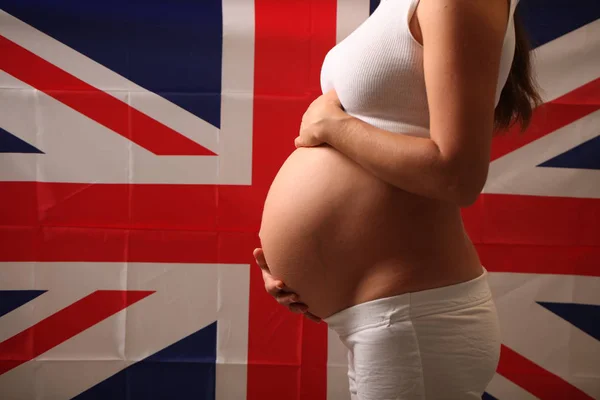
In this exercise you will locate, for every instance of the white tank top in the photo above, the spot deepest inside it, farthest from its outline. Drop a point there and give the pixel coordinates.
(377, 71)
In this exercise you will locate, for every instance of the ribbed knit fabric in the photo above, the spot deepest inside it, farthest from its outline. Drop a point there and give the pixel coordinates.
(377, 71)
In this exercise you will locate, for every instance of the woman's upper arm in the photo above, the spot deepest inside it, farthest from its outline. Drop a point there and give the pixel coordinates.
(462, 45)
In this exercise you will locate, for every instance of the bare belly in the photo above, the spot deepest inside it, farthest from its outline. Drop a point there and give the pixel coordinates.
(338, 236)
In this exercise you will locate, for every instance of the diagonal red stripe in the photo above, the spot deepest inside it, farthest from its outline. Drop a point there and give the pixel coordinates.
(549, 117)
(94, 103)
(63, 325)
(535, 379)
(588, 94)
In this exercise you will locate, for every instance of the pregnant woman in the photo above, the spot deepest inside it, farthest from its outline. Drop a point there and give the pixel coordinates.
(362, 225)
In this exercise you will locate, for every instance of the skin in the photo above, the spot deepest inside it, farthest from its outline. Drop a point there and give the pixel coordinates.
(462, 43)
(279, 291)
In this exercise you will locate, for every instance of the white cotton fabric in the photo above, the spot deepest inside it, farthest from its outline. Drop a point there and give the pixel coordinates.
(438, 344)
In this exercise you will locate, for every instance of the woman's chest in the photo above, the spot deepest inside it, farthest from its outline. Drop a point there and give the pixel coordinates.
(378, 66)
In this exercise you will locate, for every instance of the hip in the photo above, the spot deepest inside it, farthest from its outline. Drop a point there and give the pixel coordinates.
(440, 343)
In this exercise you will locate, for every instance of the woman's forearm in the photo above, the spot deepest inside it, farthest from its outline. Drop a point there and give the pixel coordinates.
(414, 164)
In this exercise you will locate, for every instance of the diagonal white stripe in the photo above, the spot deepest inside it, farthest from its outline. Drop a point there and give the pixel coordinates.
(568, 62)
(503, 389)
(517, 172)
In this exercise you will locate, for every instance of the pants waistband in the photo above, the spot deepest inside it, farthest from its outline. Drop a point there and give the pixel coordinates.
(411, 305)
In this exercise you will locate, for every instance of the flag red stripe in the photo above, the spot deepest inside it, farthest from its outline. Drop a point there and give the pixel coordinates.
(286, 355)
(533, 220)
(549, 117)
(313, 358)
(63, 325)
(94, 103)
(185, 232)
(545, 235)
(114, 245)
(535, 379)
(532, 259)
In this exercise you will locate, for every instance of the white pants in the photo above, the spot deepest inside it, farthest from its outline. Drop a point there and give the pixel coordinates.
(436, 344)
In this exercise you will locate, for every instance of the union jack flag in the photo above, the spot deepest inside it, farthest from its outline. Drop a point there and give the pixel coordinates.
(138, 140)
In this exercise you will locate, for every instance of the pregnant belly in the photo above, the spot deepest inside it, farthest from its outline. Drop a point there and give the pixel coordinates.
(330, 229)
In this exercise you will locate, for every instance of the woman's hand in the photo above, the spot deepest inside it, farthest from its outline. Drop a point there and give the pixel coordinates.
(318, 118)
(279, 291)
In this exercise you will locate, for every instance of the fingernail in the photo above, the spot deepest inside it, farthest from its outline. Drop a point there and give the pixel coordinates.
(279, 285)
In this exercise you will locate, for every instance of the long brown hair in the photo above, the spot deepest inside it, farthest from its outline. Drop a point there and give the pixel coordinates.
(520, 94)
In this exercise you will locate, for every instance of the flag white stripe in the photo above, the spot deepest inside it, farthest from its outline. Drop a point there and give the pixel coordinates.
(237, 100)
(337, 368)
(542, 336)
(233, 304)
(350, 14)
(568, 62)
(503, 389)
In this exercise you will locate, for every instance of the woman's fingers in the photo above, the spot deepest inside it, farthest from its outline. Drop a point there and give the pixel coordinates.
(259, 256)
(277, 289)
(301, 308)
(298, 308)
(287, 298)
(312, 317)
(272, 286)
